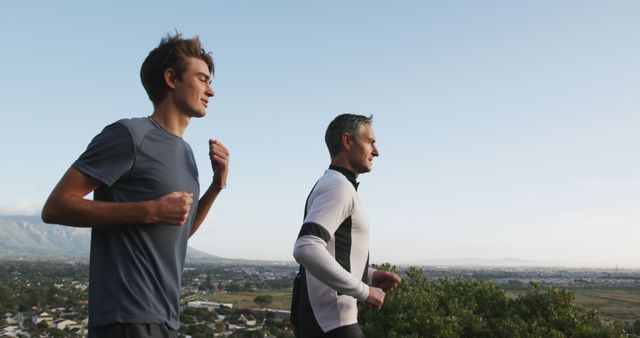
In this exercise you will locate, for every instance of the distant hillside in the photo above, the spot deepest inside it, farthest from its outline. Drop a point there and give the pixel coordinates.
(28, 236)
(479, 262)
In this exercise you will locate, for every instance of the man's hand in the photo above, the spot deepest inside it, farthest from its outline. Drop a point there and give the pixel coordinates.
(385, 280)
(172, 208)
(375, 298)
(219, 156)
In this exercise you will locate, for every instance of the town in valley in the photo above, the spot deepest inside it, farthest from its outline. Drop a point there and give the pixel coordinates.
(48, 298)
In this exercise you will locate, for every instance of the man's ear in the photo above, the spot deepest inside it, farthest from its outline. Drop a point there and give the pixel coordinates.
(170, 78)
(346, 141)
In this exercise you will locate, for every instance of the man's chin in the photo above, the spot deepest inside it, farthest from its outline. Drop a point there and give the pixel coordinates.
(199, 114)
(364, 170)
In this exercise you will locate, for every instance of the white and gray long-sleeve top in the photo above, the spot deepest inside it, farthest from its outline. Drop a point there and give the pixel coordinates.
(333, 248)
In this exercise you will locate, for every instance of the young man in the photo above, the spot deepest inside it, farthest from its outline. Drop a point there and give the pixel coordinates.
(333, 243)
(146, 201)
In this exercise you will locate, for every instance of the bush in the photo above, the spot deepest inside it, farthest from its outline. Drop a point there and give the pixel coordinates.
(468, 308)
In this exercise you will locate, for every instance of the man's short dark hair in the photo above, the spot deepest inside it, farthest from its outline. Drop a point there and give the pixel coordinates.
(173, 52)
(345, 123)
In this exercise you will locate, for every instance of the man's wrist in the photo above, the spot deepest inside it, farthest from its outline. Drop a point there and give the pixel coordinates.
(364, 294)
(148, 212)
(370, 273)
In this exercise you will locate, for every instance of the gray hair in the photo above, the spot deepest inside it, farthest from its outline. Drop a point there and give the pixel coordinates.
(345, 123)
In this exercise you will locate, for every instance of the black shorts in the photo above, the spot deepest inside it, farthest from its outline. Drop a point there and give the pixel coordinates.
(132, 331)
(347, 331)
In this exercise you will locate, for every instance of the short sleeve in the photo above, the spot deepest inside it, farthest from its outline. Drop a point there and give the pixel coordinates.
(331, 206)
(109, 156)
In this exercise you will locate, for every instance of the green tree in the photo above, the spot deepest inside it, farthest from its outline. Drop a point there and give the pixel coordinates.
(234, 287)
(43, 325)
(469, 308)
(248, 334)
(221, 326)
(199, 331)
(5, 292)
(187, 319)
(7, 303)
(636, 327)
(263, 300)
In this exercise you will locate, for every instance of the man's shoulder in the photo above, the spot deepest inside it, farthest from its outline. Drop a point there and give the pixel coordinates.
(135, 123)
(137, 127)
(334, 180)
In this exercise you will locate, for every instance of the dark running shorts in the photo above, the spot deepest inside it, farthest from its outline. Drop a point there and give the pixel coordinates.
(132, 331)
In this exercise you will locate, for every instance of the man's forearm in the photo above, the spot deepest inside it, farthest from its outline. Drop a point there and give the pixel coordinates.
(204, 205)
(311, 252)
(81, 212)
(67, 206)
(219, 156)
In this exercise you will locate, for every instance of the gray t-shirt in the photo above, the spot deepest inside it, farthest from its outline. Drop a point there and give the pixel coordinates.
(135, 270)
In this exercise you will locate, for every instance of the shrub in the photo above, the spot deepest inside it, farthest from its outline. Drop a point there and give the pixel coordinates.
(469, 308)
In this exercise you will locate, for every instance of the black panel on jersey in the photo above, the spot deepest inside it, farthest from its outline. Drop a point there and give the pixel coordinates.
(314, 229)
(303, 320)
(365, 275)
(343, 244)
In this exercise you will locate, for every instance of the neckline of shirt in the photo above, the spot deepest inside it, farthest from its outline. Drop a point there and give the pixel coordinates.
(350, 175)
(159, 126)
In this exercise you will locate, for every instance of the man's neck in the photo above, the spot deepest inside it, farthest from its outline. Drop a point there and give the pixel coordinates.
(342, 162)
(169, 118)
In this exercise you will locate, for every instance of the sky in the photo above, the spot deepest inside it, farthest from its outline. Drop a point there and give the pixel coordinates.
(507, 129)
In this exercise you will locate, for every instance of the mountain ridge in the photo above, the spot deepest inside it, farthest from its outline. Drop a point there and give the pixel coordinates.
(27, 237)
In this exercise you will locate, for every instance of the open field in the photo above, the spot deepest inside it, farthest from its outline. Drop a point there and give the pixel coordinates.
(613, 303)
(281, 299)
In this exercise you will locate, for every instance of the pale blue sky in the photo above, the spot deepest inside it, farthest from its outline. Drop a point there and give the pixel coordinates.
(506, 128)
